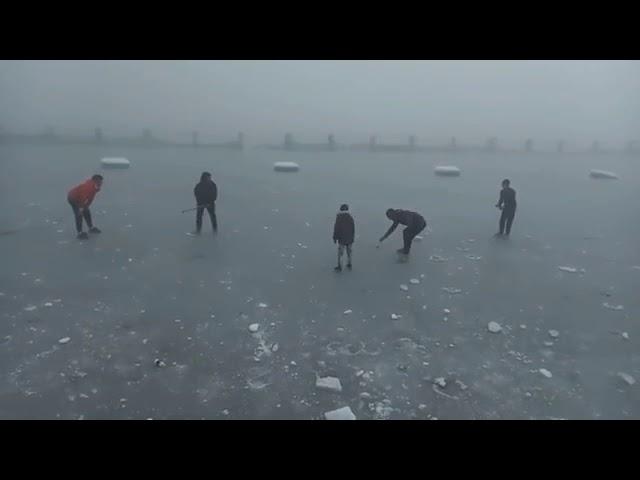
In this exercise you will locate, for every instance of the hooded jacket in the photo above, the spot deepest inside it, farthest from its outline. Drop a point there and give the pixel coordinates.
(206, 192)
(344, 230)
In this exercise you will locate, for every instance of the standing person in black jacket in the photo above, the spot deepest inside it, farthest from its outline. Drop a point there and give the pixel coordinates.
(344, 231)
(506, 203)
(414, 222)
(206, 193)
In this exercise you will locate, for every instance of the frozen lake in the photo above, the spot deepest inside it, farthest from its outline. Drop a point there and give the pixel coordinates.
(144, 290)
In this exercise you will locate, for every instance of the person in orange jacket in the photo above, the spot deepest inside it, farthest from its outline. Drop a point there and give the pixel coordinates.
(80, 197)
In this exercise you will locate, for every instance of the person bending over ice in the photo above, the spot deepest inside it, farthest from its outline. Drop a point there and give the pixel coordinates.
(414, 222)
(80, 197)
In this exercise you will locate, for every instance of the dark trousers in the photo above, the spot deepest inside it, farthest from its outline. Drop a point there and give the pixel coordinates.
(409, 233)
(212, 215)
(507, 217)
(86, 214)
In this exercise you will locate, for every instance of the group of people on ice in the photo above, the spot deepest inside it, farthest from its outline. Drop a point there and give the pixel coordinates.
(206, 194)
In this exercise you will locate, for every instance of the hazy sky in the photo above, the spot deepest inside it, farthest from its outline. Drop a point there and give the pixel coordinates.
(576, 100)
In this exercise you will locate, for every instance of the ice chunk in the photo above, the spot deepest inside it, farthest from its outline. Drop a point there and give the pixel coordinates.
(461, 385)
(473, 257)
(30, 308)
(48, 304)
(440, 381)
(451, 290)
(64, 340)
(613, 307)
(414, 281)
(253, 328)
(438, 259)
(571, 269)
(625, 335)
(395, 317)
(347, 312)
(418, 238)
(494, 327)
(115, 162)
(263, 305)
(628, 379)
(545, 372)
(343, 413)
(159, 363)
(329, 383)
(554, 333)
(404, 288)
(603, 174)
(447, 171)
(286, 167)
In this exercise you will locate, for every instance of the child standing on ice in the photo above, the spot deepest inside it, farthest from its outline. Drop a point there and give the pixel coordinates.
(344, 231)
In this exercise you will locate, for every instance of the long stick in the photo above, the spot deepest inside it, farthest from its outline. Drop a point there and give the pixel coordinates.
(192, 209)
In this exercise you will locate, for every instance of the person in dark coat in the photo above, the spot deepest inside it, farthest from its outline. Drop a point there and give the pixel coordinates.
(414, 222)
(206, 193)
(506, 203)
(344, 231)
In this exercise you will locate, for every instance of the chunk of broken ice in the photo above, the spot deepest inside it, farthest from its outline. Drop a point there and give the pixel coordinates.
(628, 379)
(554, 333)
(48, 304)
(404, 288)
(414, 281)
(625, 335)
(395, 317)
(347, 312)
(494, 327)
(440, 381)
(253, 328)
(343, 413)
(461, 385)
(438, 258)
(451, 290)
(30, 308)
(545, 372)
(263, 305)
(329, 383)
(572, 270)
(64, 340)
(612, 307)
